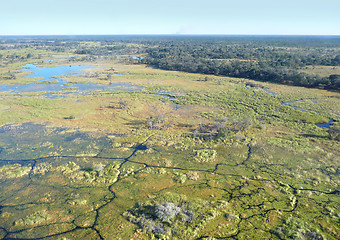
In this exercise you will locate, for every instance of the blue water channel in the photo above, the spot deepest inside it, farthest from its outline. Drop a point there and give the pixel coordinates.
(289, 104)
(58, 76)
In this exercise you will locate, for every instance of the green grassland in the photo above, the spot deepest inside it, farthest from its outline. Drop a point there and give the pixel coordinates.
(323, 71)
(200, 159)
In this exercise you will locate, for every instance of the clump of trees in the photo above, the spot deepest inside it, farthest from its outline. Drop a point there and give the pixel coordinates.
(173, 215)
(166, 211)
(121, 104)
(156, 218)
(11, 75)
(222, 128)
(159, 122)
(71, 117)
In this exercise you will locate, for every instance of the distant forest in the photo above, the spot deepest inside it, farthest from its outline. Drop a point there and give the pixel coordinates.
(277, 59)
(272, 59)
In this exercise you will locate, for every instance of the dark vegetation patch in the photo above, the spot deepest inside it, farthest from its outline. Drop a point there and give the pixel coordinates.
(264, 59)
(173, 215)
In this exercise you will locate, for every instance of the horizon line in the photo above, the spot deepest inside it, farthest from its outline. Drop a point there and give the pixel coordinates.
(165, 34)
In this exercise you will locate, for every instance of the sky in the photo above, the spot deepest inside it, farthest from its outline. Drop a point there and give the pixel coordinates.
(87, 17)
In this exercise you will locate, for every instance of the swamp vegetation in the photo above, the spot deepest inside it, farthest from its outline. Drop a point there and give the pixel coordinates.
(100, 140)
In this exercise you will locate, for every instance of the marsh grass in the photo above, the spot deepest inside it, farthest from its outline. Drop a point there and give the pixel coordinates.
(271, 164)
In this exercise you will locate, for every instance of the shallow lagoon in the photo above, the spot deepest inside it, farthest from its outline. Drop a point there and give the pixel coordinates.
(58, 74)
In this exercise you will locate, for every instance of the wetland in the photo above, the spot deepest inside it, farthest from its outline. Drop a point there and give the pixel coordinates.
(97, 142)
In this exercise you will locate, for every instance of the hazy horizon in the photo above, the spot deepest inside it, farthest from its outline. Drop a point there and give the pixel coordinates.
(202, 34)
(169, 34)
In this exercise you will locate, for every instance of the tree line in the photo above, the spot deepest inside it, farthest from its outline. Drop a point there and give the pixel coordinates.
(254, 60)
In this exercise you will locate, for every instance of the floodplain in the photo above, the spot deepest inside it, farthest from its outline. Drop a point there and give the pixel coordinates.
(115, 149)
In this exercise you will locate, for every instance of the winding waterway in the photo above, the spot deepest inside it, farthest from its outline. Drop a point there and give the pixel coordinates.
(290, 103)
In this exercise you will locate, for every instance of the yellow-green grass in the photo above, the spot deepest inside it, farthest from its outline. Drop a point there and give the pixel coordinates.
(283, 165)
(323, 71)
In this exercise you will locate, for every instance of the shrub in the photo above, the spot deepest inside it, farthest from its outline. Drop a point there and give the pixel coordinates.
(334, 132)
(71, 117)
(166, 211)
(187, 215)
(180, 177)
(244, 124)
(205, 155)
(33, 219)
(151, 226)
(293, 228)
